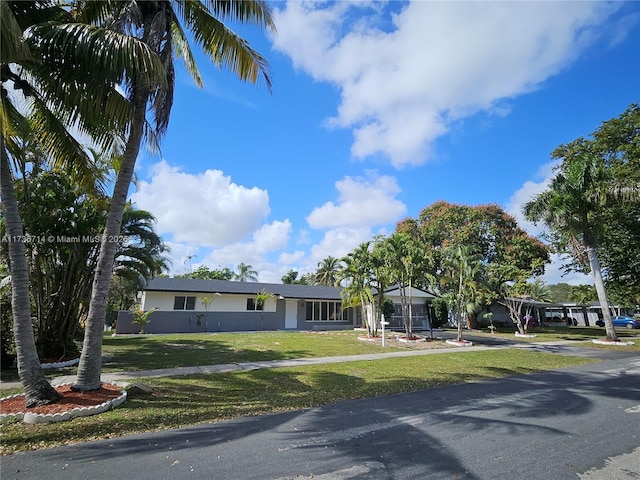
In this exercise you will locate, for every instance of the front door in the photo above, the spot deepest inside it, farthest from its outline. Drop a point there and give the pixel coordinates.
(291, 315)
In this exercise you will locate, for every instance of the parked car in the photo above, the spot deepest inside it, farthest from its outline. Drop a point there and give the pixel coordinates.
(619, 321)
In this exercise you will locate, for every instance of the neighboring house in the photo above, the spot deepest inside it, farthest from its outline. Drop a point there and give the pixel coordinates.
(188, 305)
(553, 313)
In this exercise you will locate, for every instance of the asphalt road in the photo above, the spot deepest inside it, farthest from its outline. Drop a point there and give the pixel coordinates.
(575, 423)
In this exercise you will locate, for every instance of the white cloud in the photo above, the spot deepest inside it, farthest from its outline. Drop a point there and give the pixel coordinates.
(182, 257)
(526, 193)
(291, 258)
(204, 209)
(267, 239)
(553, 274)
(361, 202)
(439, 62)
(337, 243)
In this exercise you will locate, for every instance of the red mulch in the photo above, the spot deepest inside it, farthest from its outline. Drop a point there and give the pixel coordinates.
(69, 400)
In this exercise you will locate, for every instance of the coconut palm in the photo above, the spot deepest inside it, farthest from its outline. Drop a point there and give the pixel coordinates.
(570, 208)
(161, 24)
(328, 272)
(245, 273)
(52, 78)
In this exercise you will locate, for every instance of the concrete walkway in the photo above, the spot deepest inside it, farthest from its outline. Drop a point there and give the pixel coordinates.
(298, 362)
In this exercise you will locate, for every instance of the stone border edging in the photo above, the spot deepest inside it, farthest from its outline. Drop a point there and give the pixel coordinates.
(68, 363)
(597, 341)
(461, 343)
(34, 418)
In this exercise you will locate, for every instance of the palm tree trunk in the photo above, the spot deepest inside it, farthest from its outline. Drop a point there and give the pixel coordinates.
(460, 307)
(594, 263)
(90, 366)
(37, 389)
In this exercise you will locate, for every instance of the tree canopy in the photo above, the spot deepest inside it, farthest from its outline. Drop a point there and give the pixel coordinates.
(505, 251)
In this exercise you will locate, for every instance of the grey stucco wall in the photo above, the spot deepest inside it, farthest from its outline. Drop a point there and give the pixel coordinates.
(182, 321)
(187, 322)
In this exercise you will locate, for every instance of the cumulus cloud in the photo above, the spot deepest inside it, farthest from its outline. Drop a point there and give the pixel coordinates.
(337, 243)
(433, 63)
(291, 258)
(526, 193)
(205, 209)
(268, 238)
(361, 202)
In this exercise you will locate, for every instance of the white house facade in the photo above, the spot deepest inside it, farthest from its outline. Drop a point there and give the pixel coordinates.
(186, 305)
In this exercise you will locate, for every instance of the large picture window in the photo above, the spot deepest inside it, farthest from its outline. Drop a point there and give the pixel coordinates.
(324, 311)
(184, 303)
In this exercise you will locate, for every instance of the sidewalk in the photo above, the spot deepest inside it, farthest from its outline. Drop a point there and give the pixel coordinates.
(298, 362)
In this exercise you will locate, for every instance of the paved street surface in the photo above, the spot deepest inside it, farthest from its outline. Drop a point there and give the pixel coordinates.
(575, 423)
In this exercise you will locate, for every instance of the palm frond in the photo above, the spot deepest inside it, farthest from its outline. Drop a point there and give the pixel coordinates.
(224, 47)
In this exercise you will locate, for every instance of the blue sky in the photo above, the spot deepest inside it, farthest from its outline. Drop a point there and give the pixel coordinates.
(379, 109)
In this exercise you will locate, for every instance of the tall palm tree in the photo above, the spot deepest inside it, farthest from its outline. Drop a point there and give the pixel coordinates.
(161, 25)
(245, 273)
(328, 272)
(51, 78)
(461, 269)
(570, 208)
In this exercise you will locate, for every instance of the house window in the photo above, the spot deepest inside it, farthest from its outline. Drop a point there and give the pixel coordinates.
(323, 311)
(252, 304)
(184, 303)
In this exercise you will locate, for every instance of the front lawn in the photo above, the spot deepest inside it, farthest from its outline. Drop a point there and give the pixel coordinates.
(148, 352)
(189, 350)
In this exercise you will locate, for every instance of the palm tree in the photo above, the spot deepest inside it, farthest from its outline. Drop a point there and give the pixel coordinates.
(570, 208)
(245, 273)
(58, 90)
(461, 269)
(143, 258)
(161, 25)
(358, 291)
(328, 272)
(261, 299)
(404, 262)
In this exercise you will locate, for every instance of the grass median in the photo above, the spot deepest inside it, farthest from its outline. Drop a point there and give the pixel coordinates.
(182, 401)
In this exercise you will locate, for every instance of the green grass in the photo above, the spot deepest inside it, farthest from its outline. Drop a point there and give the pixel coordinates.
(148, 352)
(182, 401)
(168, 351)
(576, 334)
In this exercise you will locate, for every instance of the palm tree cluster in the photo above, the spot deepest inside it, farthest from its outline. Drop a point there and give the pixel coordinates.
(63, 67)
